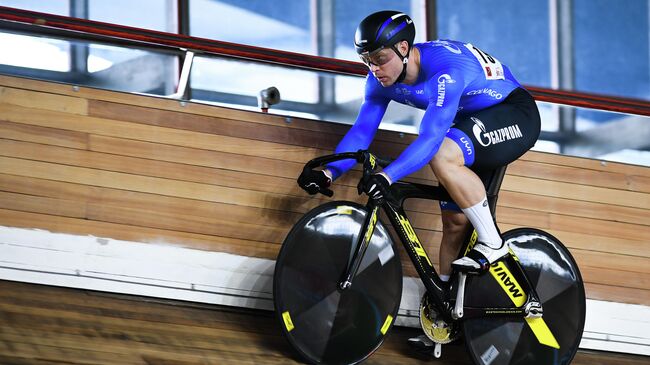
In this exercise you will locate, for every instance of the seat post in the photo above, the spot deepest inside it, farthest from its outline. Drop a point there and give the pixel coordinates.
(493, 187)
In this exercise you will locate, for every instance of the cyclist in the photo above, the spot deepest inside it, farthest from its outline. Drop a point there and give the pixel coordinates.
(477, 117)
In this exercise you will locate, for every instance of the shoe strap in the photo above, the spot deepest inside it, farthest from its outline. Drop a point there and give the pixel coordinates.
(479, 257)
(484, 249)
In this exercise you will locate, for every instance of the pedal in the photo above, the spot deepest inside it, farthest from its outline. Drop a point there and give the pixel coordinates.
(457, 312)
(437, 351)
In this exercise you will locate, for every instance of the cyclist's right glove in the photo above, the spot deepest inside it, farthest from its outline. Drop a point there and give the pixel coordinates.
(314, 181)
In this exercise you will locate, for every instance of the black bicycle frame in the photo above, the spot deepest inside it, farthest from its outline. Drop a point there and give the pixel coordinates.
(438, 291)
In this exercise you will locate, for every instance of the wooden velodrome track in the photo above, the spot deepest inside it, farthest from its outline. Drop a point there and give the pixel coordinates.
(49, 325)
(83, 161)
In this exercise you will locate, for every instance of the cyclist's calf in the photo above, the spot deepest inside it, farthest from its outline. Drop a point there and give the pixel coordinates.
(454, 226)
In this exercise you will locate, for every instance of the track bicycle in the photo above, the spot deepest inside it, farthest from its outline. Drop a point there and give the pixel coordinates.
(338, 283)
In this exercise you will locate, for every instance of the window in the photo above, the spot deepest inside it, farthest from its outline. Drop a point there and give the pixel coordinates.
(35, 52)
(157, 15)
(58, 7)
(613, 62)
(517, 35)
(284, 25)
(104, 66)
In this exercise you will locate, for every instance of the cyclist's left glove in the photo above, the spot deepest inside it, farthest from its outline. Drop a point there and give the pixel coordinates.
(315, 181)
(376, 186)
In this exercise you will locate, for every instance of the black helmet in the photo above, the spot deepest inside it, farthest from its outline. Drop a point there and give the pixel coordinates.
(384, 29)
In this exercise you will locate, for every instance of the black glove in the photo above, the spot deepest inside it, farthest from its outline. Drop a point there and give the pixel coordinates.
(313, 181)
(376, 186)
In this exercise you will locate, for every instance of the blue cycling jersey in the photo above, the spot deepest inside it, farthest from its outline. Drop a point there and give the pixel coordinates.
(454, 78)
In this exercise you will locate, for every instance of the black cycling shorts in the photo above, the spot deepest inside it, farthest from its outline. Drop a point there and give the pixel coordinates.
(497, 135)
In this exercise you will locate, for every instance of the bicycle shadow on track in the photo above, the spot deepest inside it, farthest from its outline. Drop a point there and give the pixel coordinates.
(396, 350)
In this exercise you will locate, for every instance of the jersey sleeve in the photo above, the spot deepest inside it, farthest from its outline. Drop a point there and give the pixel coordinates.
(445, 89)
(363, 131)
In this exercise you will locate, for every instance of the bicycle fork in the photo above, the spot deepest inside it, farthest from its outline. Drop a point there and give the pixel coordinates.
(363, 241)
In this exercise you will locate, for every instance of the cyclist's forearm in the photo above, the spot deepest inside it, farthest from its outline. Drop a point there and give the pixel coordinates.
(352, 142)
(359, 136)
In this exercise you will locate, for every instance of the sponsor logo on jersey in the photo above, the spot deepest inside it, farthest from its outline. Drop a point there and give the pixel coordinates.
(419, 91)
(486, 138)
(467, 144)
(442, 81)
(491, 92)
(448, 46)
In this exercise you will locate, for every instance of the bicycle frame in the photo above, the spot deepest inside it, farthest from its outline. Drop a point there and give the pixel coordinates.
(516, 284)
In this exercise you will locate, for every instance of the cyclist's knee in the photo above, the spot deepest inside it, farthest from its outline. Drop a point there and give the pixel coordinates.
(449, 155)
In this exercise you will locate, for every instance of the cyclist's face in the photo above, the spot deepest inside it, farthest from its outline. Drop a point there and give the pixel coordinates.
(384, 65)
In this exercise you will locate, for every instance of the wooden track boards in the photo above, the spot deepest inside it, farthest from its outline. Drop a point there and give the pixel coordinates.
(42, 325)
(142, 168)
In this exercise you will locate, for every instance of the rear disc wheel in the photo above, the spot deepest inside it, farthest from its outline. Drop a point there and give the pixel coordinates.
(556, 278)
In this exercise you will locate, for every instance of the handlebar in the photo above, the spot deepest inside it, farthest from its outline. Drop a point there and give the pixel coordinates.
(370, 163)
(361, 156)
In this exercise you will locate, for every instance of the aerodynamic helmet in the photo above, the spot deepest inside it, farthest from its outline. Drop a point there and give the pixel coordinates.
(381, 30)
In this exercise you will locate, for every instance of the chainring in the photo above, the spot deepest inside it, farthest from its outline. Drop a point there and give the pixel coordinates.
(436, 329)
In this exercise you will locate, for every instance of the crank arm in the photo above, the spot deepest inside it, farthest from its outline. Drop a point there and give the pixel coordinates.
(457, 312)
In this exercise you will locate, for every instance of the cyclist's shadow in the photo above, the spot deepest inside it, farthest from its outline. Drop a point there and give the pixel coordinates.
(396, 343)
(254, 277)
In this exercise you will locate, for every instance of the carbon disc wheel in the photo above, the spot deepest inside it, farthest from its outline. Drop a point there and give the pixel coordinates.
(555, 276)
(324, 324)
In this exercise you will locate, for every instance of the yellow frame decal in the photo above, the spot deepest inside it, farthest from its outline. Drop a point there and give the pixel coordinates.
(542, 332)
(373, 161)
(511, 287)
(504, 277)
(472, 242)
(413, 238)
(371, 226)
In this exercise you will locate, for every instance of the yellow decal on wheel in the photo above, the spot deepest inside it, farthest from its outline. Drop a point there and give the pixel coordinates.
(509, 284)
(287, 321)
(386, 325)
(343, 209)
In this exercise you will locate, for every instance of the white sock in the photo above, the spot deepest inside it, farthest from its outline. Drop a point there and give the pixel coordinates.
(444, 277)
(481, 219)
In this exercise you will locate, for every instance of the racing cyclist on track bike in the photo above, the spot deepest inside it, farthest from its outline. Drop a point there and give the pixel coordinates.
(477, 118)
